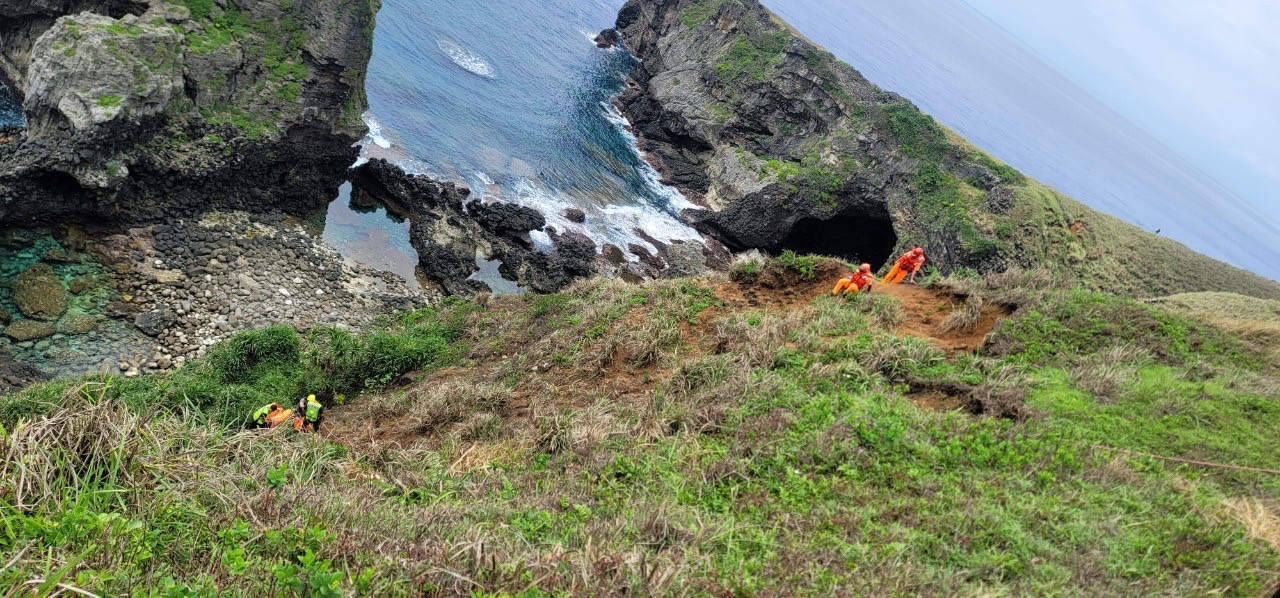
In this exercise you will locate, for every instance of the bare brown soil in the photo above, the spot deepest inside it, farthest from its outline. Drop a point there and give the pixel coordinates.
(546, 387)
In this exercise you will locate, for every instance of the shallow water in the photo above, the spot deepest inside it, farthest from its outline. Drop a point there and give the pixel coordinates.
(373, 237)
(102, 349)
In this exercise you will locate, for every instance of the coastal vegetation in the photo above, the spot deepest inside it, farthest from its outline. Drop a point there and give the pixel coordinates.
(741, 434)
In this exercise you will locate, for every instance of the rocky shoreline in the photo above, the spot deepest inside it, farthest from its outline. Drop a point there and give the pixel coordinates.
(151, 298)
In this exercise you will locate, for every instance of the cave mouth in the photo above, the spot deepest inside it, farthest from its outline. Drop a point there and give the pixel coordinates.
(857, 238)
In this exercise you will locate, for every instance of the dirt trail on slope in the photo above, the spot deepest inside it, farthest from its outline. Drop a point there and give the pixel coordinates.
(925, 310)
(617, 378)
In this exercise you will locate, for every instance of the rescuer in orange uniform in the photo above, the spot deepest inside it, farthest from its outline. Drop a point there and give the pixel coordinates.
(858, 282)
(908, 264)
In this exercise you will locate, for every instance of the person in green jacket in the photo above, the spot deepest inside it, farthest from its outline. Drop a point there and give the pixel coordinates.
(260, 416)
(310, 412)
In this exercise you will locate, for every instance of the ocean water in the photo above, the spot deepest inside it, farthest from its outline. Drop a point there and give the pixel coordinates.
(10, 108)
(513, 99)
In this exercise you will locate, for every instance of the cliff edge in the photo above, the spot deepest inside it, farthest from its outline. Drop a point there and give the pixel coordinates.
(138, 109)
(787, 147)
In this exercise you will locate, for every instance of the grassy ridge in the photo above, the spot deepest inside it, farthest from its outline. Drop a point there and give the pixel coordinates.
(658, 438)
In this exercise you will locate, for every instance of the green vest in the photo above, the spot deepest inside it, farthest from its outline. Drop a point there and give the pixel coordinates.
(313, 411)
(260, 415)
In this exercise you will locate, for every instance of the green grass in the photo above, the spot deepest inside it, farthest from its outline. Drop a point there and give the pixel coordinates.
(917, 132)
(699, 12)
(946, 208)
(109, 101)
(752, 55)
(769, 453)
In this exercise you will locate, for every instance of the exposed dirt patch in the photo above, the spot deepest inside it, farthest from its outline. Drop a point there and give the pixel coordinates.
(1008, 403)
(541, 385)
(924, 312)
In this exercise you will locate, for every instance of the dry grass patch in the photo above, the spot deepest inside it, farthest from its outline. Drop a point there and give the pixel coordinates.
(1261, 522)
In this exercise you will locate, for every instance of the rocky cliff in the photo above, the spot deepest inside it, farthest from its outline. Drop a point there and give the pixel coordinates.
(139, 109)
(451, 232)
(786, 147)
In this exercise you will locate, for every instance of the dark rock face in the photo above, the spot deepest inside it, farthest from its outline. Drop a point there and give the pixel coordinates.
(449, 231)
(140, 109)
(790, 148)
(16, 375)
(154, 322)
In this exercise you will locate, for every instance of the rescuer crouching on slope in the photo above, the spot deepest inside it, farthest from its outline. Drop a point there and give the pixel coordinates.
(909, 264)
(262, 418)
(309, 415)
(858, 282)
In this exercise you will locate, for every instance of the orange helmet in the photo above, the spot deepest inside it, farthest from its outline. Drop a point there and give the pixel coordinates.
(918, 251)
(865, 268)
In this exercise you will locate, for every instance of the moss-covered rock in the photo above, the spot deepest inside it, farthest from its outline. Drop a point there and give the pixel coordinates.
(29, 330)
(39, 294)
(76, 323)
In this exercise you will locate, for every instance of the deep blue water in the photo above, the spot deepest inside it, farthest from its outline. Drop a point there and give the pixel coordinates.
(513, 99)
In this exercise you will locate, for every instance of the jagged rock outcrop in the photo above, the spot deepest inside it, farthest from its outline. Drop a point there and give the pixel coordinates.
(451, 231)
(144, 109)
(786, 147)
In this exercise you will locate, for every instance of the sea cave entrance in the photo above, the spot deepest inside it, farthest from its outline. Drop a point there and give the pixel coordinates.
(852, 236)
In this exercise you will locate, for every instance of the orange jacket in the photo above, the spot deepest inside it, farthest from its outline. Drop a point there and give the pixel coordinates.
(860, 279)
(910, 262)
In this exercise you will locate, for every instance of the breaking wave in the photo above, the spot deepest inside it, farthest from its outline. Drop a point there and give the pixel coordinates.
(466, 59)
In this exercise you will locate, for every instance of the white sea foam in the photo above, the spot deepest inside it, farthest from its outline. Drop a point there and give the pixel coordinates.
(675, 199)
(375, 131)
(465, 58)
(610, 224)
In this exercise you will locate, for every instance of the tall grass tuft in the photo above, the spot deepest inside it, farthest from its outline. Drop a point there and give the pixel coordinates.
(966, 318)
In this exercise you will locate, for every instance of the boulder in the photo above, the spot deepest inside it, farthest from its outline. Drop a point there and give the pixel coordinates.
(608, 38)
(29, 330)
(686, 259)
(154, 322)
(15, 375)
(38, 293)
(575, 215)
(76, 323)
(80, 284)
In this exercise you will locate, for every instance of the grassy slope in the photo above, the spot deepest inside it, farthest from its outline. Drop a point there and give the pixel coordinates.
(663, 439)
(945, 207)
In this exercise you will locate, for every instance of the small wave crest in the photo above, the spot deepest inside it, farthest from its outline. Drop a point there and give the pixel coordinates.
(468, 60)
